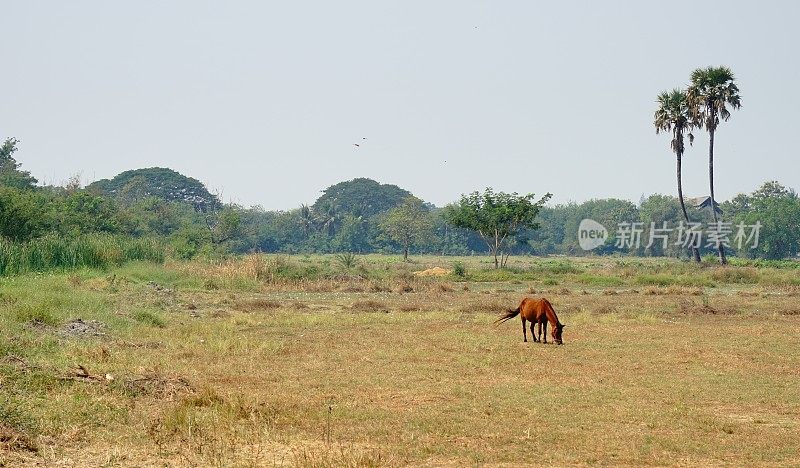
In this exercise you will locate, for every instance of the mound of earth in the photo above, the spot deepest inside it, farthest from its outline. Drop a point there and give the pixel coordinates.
(435, 271)
(79, 327)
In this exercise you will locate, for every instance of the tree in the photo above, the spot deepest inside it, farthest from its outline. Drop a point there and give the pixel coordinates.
(327, 218)
(777, 210)
(23, 214)
(306, 220)
(224, 224)
(409, 224)
(673, 115)
(495, 216)
(360, 197)
(133, 186)
(713, 89)
(654, 211)
(10, 173)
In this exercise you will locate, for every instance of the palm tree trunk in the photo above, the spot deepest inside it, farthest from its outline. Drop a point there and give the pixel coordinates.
(695, 250)
(720, 247)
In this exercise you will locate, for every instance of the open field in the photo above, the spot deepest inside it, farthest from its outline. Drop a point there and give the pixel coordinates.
(326, 361)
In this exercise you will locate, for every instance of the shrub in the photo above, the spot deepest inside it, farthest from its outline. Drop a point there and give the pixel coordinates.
(93, 251)
(149, 318)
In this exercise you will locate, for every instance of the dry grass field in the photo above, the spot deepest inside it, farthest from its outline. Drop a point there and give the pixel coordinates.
(326, 361)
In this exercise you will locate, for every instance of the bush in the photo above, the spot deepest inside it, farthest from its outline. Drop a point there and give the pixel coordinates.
(93, 251)
(459, 269)
(149, 318)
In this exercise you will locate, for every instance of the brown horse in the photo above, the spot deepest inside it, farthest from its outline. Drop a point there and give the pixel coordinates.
(536, 311)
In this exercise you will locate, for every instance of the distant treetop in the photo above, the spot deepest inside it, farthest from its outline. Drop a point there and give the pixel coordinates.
(10, 173)
(361, 197)
(134, 185)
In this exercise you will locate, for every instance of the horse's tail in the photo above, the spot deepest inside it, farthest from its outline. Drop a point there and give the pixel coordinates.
(508, 315)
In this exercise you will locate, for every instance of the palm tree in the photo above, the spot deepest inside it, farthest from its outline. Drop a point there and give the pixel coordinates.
(713, 89)
(306, 219)
(327, 218)
(673, 116)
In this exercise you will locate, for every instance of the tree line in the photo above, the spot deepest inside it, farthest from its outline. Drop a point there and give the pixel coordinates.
(363, 216)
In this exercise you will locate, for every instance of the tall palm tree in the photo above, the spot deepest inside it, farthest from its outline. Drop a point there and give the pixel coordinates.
(713, 89)
(306, 219)
(327, 218)
(673, 116)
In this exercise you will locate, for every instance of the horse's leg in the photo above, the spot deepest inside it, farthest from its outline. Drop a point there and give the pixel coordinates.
(544, 325)
(524, 334)
(536, 338)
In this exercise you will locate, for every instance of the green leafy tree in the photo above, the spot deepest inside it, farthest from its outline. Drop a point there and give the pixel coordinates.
(673, 116)
(712, 91)
(133, 186)
(81, 212)
(10, 173)
(23, 214)
(609, 212)
(360, 197)
(777, 209)
(224, 225)
(655, 211)
(496, 217)
(409, 224)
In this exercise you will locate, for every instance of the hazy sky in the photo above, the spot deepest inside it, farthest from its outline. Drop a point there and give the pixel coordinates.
(264, 100)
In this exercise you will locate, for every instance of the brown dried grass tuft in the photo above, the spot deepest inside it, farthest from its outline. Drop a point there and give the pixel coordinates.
(369, 305)
(258, 304)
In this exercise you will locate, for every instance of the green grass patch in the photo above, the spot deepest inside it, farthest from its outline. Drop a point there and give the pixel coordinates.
(599, 280)
(149, 318)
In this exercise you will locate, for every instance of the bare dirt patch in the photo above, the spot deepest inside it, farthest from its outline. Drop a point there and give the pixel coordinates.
(82, 328)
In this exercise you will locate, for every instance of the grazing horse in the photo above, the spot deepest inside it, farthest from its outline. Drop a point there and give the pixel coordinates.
(536, 311)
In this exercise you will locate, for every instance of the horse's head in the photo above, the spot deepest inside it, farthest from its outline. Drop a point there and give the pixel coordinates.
(557, 333)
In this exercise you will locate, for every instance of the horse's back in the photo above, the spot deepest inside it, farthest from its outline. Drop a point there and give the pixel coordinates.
(534, 309)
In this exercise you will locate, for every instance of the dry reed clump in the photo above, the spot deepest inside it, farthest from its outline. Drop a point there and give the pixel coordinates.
(748, 293)
(378, 287)
(737, 274)
(158, 386)
(672, 290)
(605, 309)
(335, 458)
(14, 440)
(692, 308)
(488, 305)
(258, 304)
(206, 428)
(403, 288)
(369, 305)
